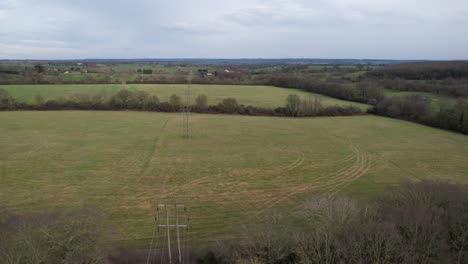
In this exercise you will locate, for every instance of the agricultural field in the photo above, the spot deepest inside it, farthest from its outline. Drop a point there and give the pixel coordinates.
(231, 170)
(436, 100)
(261, 96)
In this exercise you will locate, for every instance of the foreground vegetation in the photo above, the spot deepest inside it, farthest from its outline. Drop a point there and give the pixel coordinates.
(422, 222)
(61, 236)
(232, 168)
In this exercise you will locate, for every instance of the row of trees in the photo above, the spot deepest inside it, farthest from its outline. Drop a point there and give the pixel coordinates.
(140, 100)
(364, 92)
(449, 87)
(418, 109)
(423, 222)
(423, 71)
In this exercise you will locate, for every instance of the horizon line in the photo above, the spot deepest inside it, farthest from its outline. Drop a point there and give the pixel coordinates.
(239, 58)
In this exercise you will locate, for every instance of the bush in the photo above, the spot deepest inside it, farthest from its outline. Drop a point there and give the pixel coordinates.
(229, 105)
(72, 236)
(121, 99)
(293, 104)
(151, 103)
(176, 102)
(201, 102)
(7, 102)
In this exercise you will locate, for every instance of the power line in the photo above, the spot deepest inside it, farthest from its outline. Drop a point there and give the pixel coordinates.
(152, 240)
(175, 220)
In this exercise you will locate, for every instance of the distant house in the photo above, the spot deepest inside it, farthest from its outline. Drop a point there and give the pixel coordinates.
(79, 64)
(227, 71)
(204, 72)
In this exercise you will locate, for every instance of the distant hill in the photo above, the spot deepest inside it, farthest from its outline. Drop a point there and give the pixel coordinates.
(237, 61)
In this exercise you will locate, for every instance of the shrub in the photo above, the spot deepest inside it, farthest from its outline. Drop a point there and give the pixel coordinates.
(176, 102)
(229, 105)
(121, 99)
(7, 102)
(293, 104)
(72, 236)
(201, 102)
(151, 103)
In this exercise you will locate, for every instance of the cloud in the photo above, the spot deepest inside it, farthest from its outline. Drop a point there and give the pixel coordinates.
(396, 29)
(17, 50)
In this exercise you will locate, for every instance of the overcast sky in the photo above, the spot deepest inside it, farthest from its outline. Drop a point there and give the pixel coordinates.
(386, 29)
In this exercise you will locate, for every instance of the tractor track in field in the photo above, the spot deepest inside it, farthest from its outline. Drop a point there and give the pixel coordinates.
(299, 161)
(148, 159)
(223, 176)
(363, 165)
(338, 180)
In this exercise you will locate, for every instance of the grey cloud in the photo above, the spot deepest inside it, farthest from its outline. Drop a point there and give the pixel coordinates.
(394, 29)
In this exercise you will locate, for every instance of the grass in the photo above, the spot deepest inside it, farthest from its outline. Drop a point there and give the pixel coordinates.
(437, 101)
(232, 169)
(262, 96)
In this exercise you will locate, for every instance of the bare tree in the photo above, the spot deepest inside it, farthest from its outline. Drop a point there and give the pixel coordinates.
(201, 101)
(293, 104)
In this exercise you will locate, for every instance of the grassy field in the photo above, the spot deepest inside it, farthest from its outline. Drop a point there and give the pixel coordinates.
(262, 96)
(437, 101)
(232, 169)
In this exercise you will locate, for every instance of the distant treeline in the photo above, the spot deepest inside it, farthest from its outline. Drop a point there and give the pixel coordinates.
(363, 92)
(142, 101)
(448, 87)
(418, 109)
(423, 71)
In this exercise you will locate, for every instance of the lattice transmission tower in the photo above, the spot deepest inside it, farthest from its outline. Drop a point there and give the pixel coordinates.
(186, 108)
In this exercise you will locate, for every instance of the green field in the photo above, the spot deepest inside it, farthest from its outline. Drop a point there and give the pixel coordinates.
(436, 100)
(261, 96)
(232, 169)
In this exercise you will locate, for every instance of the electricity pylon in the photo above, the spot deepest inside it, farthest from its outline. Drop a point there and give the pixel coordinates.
(186, 108)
